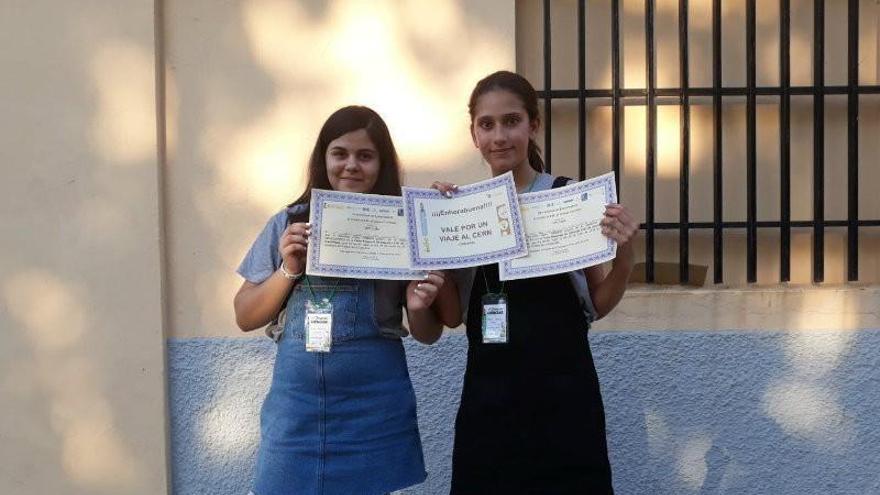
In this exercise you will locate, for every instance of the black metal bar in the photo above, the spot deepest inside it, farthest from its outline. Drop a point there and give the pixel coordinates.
(619, 97)
(718, 239)
(818, 141)
(650, 150)
(616, 112)
(731, 91)
(685, 152)
(805, 224)
(547, 87)
(751, 150)
(785, 142)
(582, 86)
(852, 232)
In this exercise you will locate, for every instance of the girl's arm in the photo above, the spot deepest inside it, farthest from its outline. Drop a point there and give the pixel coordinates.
(426, 321)
(430, 304)
(258, 304)
(607, 290)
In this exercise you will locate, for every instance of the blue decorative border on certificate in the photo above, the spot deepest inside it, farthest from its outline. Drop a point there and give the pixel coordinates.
(605, 182)
(316, 211)
(519, 249)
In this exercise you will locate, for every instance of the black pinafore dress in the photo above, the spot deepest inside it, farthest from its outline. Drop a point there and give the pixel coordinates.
(531, 419)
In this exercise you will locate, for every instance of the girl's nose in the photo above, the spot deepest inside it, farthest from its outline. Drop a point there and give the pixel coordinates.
(498, 135)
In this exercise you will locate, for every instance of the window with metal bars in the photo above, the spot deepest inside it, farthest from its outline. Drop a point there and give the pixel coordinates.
(713, 101)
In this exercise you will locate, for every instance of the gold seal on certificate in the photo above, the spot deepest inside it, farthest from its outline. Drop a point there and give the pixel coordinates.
(563, 229)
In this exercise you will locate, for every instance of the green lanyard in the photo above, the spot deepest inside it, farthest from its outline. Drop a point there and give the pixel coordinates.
(485, 279)
(315, 297)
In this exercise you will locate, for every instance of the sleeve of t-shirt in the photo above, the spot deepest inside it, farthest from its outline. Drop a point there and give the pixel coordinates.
(263, 258)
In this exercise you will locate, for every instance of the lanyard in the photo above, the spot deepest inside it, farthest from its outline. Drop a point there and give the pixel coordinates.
(315, 297)
(483, 271)
(486, 280)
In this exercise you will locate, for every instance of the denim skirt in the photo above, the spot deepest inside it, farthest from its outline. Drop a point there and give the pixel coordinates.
(342, 422)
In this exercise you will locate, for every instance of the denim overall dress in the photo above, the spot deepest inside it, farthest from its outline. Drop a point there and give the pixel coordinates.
(342, 422)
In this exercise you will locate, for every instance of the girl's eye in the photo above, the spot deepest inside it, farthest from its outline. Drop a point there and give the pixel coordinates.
(365, 156)
(512, 121)
(486, 124)
(338, 154)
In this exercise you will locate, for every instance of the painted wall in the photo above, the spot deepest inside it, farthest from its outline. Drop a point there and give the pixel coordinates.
(688, 412)
(740, 391)
(110, 242)
(82, 382)
(251, 83)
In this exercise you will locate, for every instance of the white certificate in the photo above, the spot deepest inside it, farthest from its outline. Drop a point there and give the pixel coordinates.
(358, 235)
(563, 229)
(480, 224)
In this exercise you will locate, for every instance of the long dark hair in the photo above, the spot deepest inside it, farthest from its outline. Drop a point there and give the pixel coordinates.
(350, 119)
(522, 88)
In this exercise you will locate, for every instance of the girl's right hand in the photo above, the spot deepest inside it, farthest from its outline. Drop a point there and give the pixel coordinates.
(445, 187)
(293, 245)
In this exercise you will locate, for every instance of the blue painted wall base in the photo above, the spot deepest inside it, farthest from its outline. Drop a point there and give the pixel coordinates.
(688, 412)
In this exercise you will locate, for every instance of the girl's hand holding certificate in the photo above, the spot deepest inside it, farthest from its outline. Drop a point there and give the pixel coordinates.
(293, 246)
(618, 224)
(420, 294)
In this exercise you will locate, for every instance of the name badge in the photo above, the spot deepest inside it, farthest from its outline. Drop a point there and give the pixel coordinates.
(319, 326)
(494, 319)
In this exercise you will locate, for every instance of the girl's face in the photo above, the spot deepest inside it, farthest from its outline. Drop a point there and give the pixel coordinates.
(501, 129)
(352, 162)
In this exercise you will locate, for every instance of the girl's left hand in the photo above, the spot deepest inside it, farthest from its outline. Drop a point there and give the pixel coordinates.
(420, 294)
(618, 224)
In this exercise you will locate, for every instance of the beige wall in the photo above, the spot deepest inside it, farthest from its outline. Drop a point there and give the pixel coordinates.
(102, 235)
(81, 344)
(249, 85)
(90, 209)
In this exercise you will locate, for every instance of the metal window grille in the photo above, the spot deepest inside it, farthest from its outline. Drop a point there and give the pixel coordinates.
(717, 92)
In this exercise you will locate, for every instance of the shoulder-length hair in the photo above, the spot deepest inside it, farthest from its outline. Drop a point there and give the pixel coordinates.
(341, 122)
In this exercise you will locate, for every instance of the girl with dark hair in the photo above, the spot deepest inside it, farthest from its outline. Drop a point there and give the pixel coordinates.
(531, 418)
(343, 421)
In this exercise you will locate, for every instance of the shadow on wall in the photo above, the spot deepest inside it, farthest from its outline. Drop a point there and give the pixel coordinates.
(81, 384)
(249, 85)
(565, 118)
(65, 415)
(217, 387)
(687, 412)
(737, 413)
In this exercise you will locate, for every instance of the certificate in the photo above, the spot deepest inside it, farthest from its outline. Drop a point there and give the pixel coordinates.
(481, 224)
(358, 235)
(563, 229)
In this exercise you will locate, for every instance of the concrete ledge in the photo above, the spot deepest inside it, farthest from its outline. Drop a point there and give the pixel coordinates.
(775, 308)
